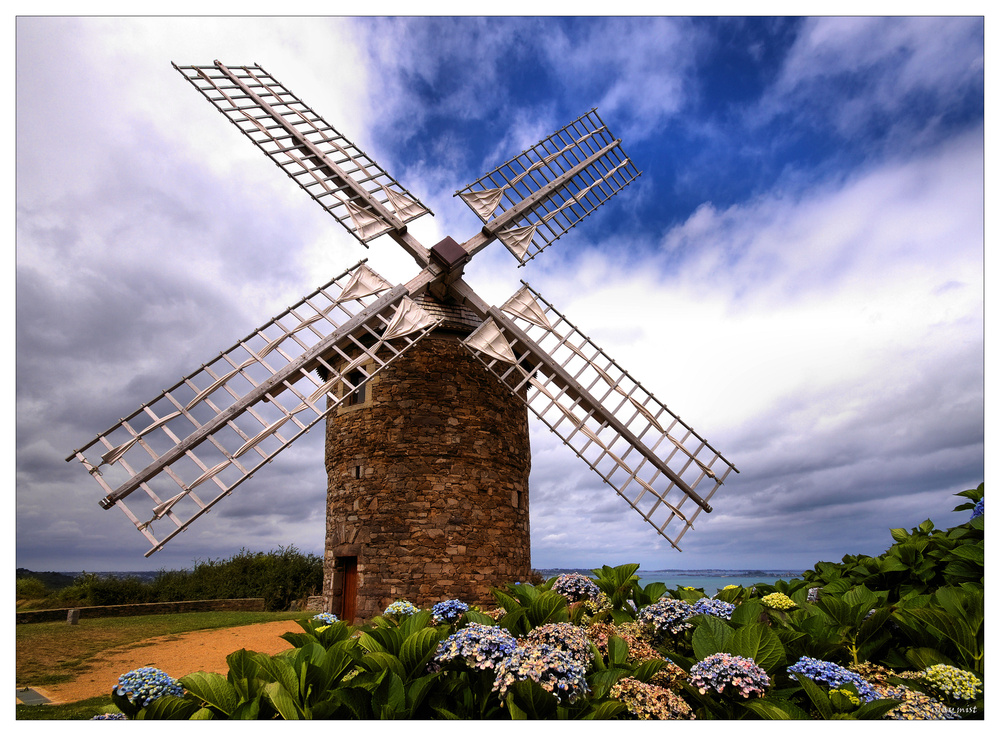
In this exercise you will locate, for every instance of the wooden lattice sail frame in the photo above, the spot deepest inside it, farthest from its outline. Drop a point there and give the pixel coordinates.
(536, 197)
(652, 459)
(216, 427)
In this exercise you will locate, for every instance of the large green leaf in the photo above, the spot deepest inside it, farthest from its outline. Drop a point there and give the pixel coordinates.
(417, 691)
(874, 625)
(601, 681)
(283, 701)
(528, 699)
(920, 658)
(506, 601)
(605, 710)
(415, 622)
(351, 702)
(244, 673)
(817, 695)
(380, 661)
(617, 651)
(747, 612)
(213, 689)
(711, 635)
(645, 670)
(279, 669)
(841, 612)
(248, 710)
(548, 607)
(775, 709)
(900, 535)
(417, 651)
(168, 707)
(389, 698)
(389, 639)
(859, 597)
(477, 617)
(875, 709)
(760, 644)
(956, 631)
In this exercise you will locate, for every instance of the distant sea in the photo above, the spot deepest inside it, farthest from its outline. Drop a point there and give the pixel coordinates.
(711, 581)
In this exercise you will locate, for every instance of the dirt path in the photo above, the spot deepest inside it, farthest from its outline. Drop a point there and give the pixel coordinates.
(175, 654)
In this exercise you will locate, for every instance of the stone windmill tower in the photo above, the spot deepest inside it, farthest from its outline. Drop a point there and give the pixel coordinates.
(424, 387)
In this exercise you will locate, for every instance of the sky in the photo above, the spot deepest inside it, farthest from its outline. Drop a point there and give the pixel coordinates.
(798, 272)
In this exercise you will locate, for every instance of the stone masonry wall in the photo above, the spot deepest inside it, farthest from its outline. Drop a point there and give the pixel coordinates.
(428, 483)
(143, 609)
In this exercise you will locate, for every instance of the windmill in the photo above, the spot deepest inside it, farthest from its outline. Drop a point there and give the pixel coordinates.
(424, 387)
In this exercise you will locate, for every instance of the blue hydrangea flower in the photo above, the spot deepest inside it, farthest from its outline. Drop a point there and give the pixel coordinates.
(449, 611)
(326, 618)
(557, 671)
(109, 717)
(400, 608)
(576, 587)
(144, 685)
(722, 670)
(833, 676)
(479, 646)
(977, 510)
(713, 607)
(667, 615)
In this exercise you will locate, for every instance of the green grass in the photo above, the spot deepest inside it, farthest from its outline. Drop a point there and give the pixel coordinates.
(53, 652)
(83, 710)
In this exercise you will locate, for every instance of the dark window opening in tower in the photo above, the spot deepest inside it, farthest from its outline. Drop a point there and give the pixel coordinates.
(358, 396)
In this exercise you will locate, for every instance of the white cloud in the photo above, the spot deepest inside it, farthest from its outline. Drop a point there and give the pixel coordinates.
(641, 71)
(861, 71)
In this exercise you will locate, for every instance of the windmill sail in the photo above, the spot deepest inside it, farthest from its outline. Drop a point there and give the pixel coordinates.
(657, 463)
(348, 184)
(536, 197)
(217, 426)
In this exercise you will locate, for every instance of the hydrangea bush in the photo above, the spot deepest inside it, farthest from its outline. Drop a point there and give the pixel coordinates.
(576, 587)
(952, 682)
(667, 616)
(647, 702)
(477, 646)
(833, 676)
(398, 609)
(556, 670)
(778, 601)
(449, 611)
(144, 685)
(567, 637)
(914, 706)
(721, 672)
(713, 607)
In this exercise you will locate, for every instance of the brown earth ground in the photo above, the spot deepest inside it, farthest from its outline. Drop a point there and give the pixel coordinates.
(175, 654)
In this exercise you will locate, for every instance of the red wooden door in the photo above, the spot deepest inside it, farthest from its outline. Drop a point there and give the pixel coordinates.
(348, 601)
